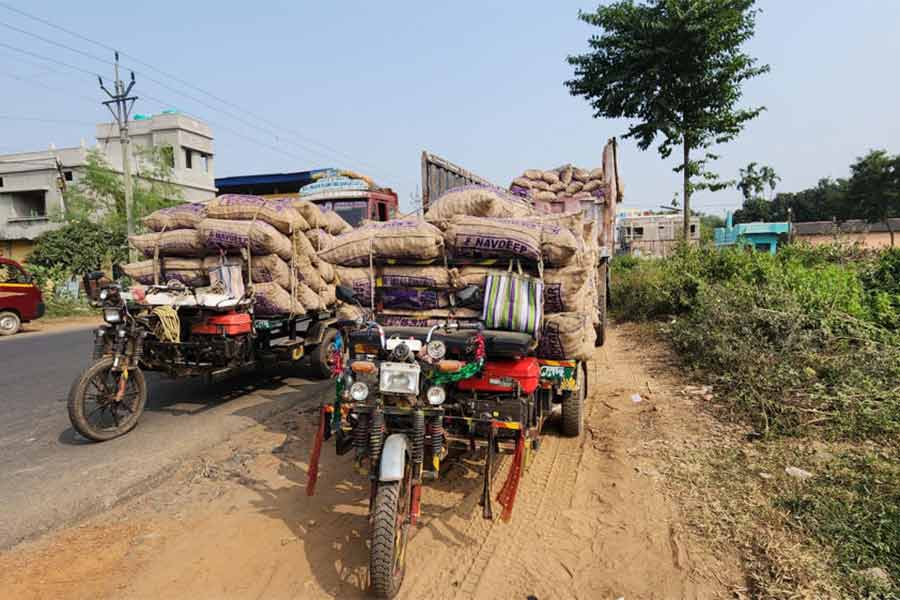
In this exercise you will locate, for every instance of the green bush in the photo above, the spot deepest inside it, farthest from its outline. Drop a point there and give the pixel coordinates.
(78, 247)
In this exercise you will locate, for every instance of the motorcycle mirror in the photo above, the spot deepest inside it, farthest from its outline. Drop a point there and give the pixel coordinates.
(345, 294)
(469, 295)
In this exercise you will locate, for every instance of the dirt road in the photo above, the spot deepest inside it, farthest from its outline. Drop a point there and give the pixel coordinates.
(592, 520)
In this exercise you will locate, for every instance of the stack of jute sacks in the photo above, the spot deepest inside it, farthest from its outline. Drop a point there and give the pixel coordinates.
(275, 241)
(564, 182)
(408, 269)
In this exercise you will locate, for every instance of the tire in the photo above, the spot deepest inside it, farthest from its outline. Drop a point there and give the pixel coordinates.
(100, 379)
(321, 356)
(573, 408)
(10, 323)
(387, 554)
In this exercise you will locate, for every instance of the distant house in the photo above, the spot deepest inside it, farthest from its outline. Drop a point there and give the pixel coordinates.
(870, 235)
(652, 235)
(759, 236)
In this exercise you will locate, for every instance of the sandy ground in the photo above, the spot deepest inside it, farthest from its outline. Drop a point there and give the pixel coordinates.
(55, 325)
(593, 518)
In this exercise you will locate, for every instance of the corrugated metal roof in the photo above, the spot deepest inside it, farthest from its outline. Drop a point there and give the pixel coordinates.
(849, 226)
(299, 177)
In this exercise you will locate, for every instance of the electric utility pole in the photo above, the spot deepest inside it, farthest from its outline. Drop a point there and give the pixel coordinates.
(120, 105)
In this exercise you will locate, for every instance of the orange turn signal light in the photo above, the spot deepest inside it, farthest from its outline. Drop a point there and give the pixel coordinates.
(362, 366)
(450, 366)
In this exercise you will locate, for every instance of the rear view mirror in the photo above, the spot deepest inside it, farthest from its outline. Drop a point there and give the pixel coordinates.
(469, 296)
(345, 293)
(92, 285)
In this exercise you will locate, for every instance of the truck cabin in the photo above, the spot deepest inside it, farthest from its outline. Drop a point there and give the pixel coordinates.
(354, 206)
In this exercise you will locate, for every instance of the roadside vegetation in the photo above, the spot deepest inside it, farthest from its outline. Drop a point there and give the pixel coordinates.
(804, 349)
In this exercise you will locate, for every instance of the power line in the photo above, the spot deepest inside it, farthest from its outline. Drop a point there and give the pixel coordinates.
(43, 120)
(48, 87)
(277, 132)
(42, 57)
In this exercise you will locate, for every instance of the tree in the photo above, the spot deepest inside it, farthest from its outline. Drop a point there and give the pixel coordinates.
(675, 66)
(874, 188)
(753, 181)
(79, 247)
(99, 196)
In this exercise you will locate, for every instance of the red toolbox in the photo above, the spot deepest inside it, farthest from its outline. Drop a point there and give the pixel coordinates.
(234, 323)
(501, 375)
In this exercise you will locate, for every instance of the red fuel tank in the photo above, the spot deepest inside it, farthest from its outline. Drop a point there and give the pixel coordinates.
(501, 375)
(228, 324)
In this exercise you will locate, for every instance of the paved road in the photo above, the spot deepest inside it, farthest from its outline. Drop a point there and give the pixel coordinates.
(50, 475)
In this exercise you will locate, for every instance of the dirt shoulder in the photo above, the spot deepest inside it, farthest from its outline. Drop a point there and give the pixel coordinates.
(55, 325)
(595, 517)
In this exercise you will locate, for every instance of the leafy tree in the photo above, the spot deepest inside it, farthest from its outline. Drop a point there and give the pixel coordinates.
(708, 225)
(753, 181)
(676, 67)
(99, 195)
(874, 188)
(79, 247)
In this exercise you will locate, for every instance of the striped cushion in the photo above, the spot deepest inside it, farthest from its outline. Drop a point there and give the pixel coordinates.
(513, 302)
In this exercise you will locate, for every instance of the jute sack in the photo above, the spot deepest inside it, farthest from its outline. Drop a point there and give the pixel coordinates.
(477, 201)
(277, 213)
(328, 296)
(308, 273)
(581, 175)
(567, 336)
(558, 187)
(565, 176)
(326, 270)
(521, 182)
(550, 177)
(188, 271)
(596, 174)
(272, 299)
(264, 269)
(477, 237)
(177, 242)
(398, 239)
(545, 196)
(574, 187)
(567, 289)
(475, 274)
(590, 186)
(348, 312)
(334, 223)
(534, 174)
(356, 278)
(426, 318)
(320, 239)
(183, 216)
(302, 245)
(310, 213)
(540, 185)
(397, 276)
(233, 236)
(412, 298)
(307, 297)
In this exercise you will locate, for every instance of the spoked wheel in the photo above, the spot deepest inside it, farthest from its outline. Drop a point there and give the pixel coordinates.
(390, 532)
(104, 403)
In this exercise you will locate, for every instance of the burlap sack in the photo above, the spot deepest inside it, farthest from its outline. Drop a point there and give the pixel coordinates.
(328, 296)
(534, 174)
(348, 312)
(540, 186)
(545, 196)
(271, 299)
(477, 201)
(412, 298)
(396, 276)
(581, 196)
(574, 187)
(478, 237)
(277, 213)
(426, 318)
(334, 223)
(521, 182)
(567, 336)
(597, 174)
(183, 216)
(594, 184)
(268, 268)
(567, 289)
(581, 175)
(550, 177)
(188, 271)
(356, 278)
(177, 242)
(397, 239)
(326, 270)
(310, 213)
(232, 236)
(308, 273)
(558, 187)
(307, 297)
(302, 245)
(320, 239)
(565, 176)
(475, 274)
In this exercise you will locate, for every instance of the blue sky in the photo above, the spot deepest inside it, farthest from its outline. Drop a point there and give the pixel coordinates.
(370, 85)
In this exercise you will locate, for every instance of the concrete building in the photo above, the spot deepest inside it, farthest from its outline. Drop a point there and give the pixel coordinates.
(653, 235)
(760, 236)
(854, 231)
(31, 182)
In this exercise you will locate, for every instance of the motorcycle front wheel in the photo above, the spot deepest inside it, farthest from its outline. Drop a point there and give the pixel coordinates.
(390, 531)
(105, 403)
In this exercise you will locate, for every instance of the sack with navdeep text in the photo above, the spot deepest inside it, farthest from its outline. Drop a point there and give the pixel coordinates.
(234, 236)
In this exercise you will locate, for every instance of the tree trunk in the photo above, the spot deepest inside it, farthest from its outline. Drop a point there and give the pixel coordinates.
(887, 222)
(687, 191)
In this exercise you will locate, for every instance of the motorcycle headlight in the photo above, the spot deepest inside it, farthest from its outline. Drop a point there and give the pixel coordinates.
(359, 391)
(436, 395)
(112, 315)
(436, 350)
(104, 293)
(399, 378)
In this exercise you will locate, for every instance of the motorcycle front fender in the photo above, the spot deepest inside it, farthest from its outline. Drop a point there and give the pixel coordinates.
(393, 458)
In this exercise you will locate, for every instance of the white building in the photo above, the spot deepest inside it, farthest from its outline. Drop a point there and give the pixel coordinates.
(31, 182)
(653, 235)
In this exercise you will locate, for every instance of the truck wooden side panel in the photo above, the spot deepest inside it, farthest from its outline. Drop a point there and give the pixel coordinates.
(440, 175)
